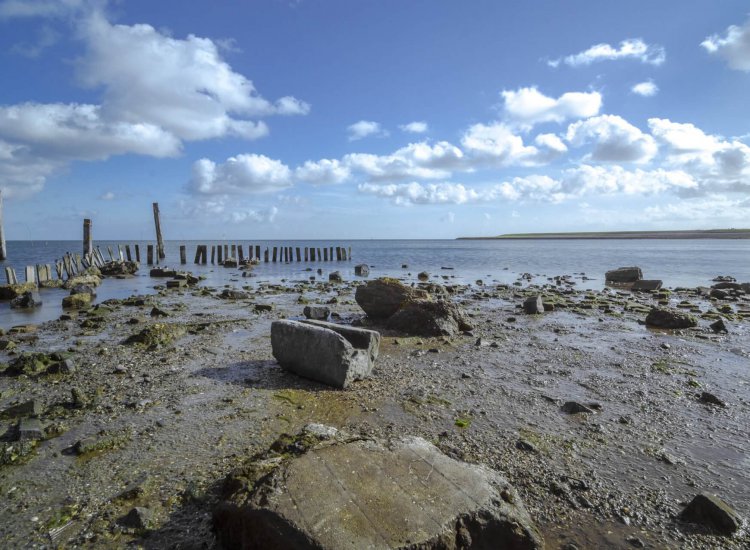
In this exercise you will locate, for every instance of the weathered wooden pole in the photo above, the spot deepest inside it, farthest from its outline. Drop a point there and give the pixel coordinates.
(88, 247)
(299, 254)
(265, 255)
(274, 254)
(127, 253)
(226, 251)
(240, 253)
(257, 251)
(138, 253)
(219, 253)
(183, 254)
(307, 254)
(150, 254)
(159, 239)
(213, 253)
(2, 231)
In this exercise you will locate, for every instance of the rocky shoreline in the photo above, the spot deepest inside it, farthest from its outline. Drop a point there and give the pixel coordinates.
(122, 421)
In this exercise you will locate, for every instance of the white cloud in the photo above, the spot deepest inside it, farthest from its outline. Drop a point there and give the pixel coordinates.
(528, 106)
(108, 196)
(157, 92)
(632, 48)
(496, 141)
(645, 89)
(734, 46)
(416, 160)
(614, 139)
(322, 172)
(239, 175)
(416, 127)
(267, 215)
(365, 128)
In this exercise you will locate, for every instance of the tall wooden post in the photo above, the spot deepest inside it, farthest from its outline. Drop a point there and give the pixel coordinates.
(87, 245)
(159, 239)
(2, 232)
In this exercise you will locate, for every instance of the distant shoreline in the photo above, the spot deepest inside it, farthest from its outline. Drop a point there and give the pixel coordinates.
(683, 234)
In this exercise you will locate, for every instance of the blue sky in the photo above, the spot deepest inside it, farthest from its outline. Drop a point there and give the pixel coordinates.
(372, 118)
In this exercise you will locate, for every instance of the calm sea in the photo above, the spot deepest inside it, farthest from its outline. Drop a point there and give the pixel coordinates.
(676, 262)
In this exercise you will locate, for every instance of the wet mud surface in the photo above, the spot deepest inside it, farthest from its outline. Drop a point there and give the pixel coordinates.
(160, 428)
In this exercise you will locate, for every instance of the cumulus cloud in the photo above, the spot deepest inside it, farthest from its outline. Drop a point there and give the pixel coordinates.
(157, 92)
(108, 196)
(415, 127)
(733, 47)
(645, 89)
(613, 138)
(267, 215)
(239, 175)
(528, 106)
(365, 128)
(632, 48)
(416, 160)
(322, 172)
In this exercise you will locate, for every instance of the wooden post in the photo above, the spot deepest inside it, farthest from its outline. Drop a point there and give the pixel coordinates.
(58, 268)
(240, 253)
(137, 253)
(266, 255)
(257, 251)
(150, 254)
(307, 254)
(127, 253)
(226, 251)
(79, 263)
(30, 274)
(119, 253)
(159, 239)
(183, 254)
(299, 254)
(204, 259)
(274, 254)
(88, 247)
(349, 254)
(338, 253)
(197, 254)
(213, 253)
(319, 255)
(325, 254)
(3, 254)
(111, 254)
(219, 254)
(234, 251)
(10, 275)
(41, 274)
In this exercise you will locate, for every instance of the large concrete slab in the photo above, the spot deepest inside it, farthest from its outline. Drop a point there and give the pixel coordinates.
(333, 354)
(375, 495)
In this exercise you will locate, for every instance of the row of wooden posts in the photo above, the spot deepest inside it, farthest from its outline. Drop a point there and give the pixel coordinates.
(220, 253)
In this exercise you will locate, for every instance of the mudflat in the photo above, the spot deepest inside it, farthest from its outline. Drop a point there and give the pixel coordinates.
(145, 405)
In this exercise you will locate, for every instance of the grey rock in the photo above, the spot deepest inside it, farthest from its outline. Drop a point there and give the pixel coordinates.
(670, 319)
(712, 512)
(728, 285)
(29, 429)
(319, 313)
(647, 284)
(624, 275)
(32, 407)
(711, 399)
(428, 318)
(162, 272)
(116, 268)
(719, 326)
(83, 289)
(383, 297)
(423, 276)
(533, 305)
(177, 283)
(335, 277)
(400, 493)
(524, 445)
(333, 354)
(138, 518)
(718, 293)
(362, 270)
(27, 300)
(230, 262)
(234, 294)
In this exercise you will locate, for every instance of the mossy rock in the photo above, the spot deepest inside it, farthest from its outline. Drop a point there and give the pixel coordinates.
(34, 364)
(88, 280)
(77, 301)
(157, 335)
(8, 292)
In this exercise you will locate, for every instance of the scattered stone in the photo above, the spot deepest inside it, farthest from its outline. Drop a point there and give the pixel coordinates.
(719, 326)
(27, 300)
(156, 311)
(333, 354)
(434, 502)
(533, 305)
(383, 297)
(718, 293)
(263, 307)
(647, 284)
(624, 275)
(234, 294)
(712, 512)
(335, 277)
(89, 279)
(83, 289)
(32, 407)
(711, 399)
(573, 407)
(670, 319)
(524, 445)
(423, 276)
(427, 318)
(35, 364)
(162, 272)
(8, 292)
(362, 270)
(177, 283)
(157, 335)
(138, 518)
(230, 262)
(29, 429)
(319, 313)
(635, 542)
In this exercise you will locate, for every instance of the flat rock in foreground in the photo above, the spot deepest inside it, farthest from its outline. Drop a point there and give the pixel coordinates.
(369, 494)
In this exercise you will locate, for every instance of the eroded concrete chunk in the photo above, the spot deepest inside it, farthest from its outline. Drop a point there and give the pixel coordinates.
(333, 354)
(374, 494)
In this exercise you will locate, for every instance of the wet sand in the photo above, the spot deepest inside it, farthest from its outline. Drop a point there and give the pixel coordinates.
(167, 425)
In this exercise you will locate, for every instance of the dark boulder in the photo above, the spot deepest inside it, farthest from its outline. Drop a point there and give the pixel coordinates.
(428, 318)
(647, 284)
(712, 512)
(335, 277)
(116, 268)
(669, 318)
(27, 300)
(533, 304)
(624, 275)
(318, 313)
(362, 270)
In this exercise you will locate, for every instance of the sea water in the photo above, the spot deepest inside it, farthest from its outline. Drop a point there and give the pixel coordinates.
(686, 262)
